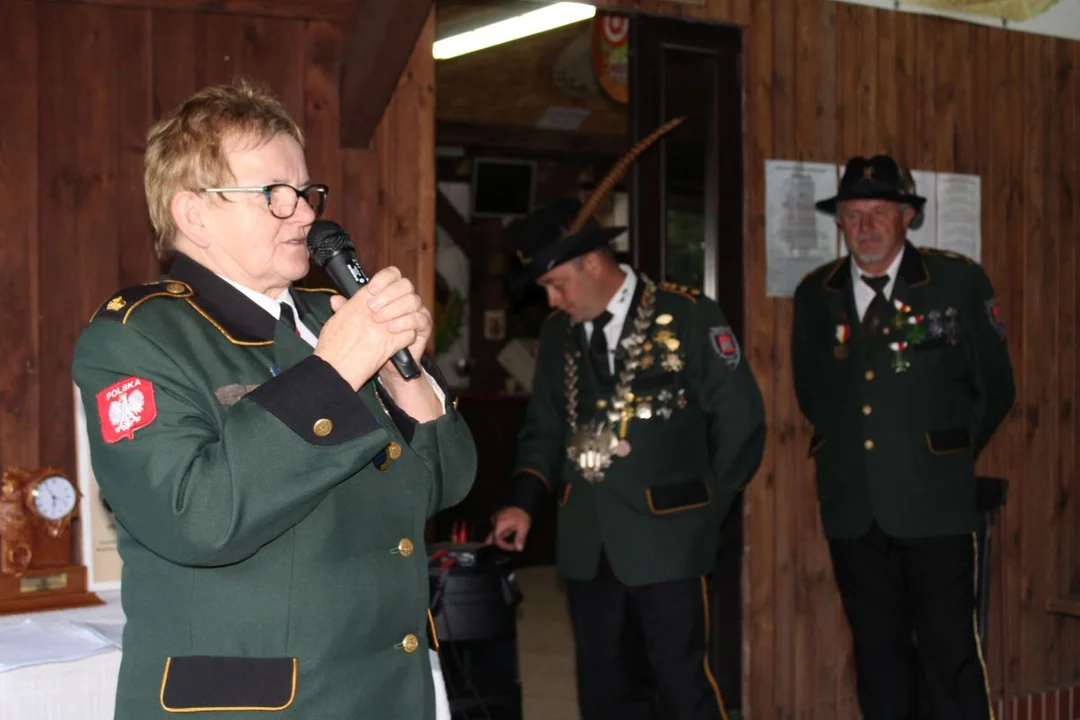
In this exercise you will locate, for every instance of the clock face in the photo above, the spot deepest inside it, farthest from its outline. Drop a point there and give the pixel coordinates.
(54, 497)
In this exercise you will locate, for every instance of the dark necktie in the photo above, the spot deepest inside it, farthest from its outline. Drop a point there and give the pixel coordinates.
(288, 318)
(598, 350)
(878, 309)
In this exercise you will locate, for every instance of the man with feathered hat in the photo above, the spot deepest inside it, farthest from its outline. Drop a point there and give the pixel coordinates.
(645, 423)
(901, 364)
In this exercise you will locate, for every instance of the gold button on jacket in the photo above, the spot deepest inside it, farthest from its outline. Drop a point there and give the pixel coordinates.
(323, 427)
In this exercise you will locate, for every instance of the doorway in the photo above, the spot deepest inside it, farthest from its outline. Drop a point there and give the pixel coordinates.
(543, 117)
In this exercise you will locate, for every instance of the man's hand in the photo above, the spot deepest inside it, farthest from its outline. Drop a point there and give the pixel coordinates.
(511, 528)
(368, 328)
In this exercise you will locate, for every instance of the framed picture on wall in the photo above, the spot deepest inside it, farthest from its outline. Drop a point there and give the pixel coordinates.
(97, 542)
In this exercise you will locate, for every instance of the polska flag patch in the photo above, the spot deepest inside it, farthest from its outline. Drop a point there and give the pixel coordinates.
(994, 314)
(725, 345)
(125, 407)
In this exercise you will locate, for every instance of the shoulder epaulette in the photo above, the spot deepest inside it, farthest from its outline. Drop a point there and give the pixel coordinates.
(830, 266)
(946, 253)
(330, 291)
(120, 306)
(686, 291)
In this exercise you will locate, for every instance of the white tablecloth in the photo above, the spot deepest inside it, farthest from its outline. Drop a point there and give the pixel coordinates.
(76, 690)
(86, 689)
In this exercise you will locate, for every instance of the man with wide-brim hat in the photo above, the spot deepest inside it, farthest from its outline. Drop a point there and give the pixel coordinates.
(541, 243)
(901, 364)
(645, 423)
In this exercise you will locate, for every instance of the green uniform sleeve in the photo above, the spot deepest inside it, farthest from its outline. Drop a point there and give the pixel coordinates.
(200, 489)
(446, 445)
(541, 440)
(988, 361)
(729, 395)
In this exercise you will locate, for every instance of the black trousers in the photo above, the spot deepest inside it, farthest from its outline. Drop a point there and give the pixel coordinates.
(617, 628)
(911, 608)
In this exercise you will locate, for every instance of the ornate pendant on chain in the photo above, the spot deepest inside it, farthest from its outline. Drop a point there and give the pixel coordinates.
(593, 445)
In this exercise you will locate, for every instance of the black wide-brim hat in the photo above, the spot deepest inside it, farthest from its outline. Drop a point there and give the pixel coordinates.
(875, 178)
(566, 228)
(540, 241)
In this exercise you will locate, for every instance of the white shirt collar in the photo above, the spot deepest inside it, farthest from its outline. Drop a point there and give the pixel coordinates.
(619, 304)
(894, 267)
(265, 302)
(619, 307)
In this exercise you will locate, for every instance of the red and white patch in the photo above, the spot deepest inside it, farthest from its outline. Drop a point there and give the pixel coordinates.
(725, 345)
(616, 29)
(125, 407)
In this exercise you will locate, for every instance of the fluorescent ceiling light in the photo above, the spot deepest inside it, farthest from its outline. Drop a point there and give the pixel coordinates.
(530, 23)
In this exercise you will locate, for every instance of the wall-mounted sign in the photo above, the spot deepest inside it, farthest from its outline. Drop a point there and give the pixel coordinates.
(611, 54)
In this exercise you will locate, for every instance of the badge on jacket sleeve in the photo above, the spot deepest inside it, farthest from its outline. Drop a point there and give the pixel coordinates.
(994, 314)
(125, 407)
(725, 345)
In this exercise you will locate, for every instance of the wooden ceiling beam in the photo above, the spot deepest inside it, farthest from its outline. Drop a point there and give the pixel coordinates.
(528, 141)
(379, 38)
(449, 219)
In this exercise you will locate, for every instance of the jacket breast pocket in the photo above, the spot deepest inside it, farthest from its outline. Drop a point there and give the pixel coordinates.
(214, 683)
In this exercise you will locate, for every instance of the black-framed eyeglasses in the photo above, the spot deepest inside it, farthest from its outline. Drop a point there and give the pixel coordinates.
(283, 198)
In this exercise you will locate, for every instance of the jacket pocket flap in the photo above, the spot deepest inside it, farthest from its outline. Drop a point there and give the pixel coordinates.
(948, 441)
(930, 344)
(212, 683)
(676, 498)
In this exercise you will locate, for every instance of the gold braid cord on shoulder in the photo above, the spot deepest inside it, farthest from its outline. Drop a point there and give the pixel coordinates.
(616, 172)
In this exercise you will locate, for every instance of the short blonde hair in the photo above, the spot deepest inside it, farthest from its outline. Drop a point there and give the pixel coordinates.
(185, 148)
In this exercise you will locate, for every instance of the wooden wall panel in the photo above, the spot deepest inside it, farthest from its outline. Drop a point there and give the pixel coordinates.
(20, 350)
(60, 307)
(950, 97)
(407, 217)
(760, 663)
(1068, 557)
(824, 81)
(133, 61)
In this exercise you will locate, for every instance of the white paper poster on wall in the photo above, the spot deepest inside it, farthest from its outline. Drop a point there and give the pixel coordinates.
(959, 215)
(1058, 18)
(798, 238)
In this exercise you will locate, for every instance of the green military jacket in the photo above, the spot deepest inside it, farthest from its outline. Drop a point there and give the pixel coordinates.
(695, 439)
(895, 446)
(270, 519)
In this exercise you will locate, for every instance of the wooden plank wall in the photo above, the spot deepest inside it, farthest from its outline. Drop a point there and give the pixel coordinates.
(825, 81)
(83, 82)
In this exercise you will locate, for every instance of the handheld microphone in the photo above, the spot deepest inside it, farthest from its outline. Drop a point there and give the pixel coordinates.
(332, 249)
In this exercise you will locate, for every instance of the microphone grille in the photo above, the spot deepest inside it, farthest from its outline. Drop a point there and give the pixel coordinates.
(326, 239)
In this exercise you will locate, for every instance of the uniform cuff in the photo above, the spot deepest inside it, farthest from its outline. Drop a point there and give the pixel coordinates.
(528, 491)
(405, 424)
(316, 403)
